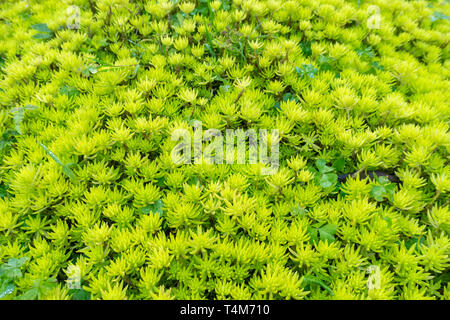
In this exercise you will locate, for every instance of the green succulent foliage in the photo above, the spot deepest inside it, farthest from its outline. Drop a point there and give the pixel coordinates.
(89, 191)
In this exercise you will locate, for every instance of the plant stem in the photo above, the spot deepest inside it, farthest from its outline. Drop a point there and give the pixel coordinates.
(436, 196)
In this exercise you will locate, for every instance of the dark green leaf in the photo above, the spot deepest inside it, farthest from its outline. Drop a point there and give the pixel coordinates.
(8, 138)
(69, 91)
(3, 190)
(328, 179)
(325, 63)
(414, 241)
(444, 278)
(31, 294)
(65, 167)
(322, 166)
(51, 154)
(42, 27)
(327, 232)
(377, 66)
(378, 193)
(68, 172)
(47, 284)
(12, 267)
(289, 96)
(307, 70)
(309, 279)
(43, 36)
(80, 294)
(390, 189)
(6, 288)
(160, 182)
(438, 16)
(306, 48)
(18, 115)
(318, 224)
(313, 234)
(17, 262)
(298, 211)
(25, 15)
(366, 53)
(383, 180)
(157, 207)
(209, 45)
(388, 220)
(339, 164)
(91, 69)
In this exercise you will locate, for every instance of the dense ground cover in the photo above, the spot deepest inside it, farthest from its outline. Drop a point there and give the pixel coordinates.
(89, 98)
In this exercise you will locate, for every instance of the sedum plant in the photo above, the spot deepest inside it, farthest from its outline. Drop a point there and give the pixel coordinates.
(93, 207)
